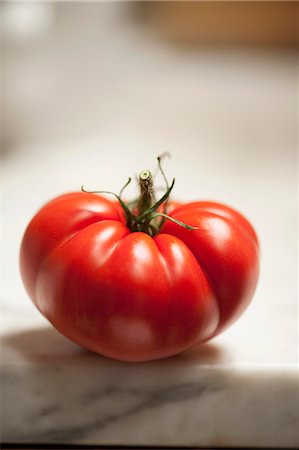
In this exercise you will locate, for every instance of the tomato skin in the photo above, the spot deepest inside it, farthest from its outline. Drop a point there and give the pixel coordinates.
(227, 248)
(131, 296)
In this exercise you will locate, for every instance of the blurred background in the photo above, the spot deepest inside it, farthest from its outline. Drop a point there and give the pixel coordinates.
(92, 92)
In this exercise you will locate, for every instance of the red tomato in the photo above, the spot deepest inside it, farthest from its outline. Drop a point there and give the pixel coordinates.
(131, 296)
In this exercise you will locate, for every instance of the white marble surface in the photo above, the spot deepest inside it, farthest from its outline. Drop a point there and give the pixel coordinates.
(190, 400)
(229, 118)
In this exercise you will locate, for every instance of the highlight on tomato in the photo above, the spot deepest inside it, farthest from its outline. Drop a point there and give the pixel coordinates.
(140, 280)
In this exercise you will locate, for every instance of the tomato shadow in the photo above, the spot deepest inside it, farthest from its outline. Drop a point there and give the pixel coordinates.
(38, 344)
(205, 354)
(47, 345)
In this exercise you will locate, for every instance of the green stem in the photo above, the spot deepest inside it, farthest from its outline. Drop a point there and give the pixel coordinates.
(124, 187)
(147, 197)
(130, 217)
(149, 211)
(146, 218)
(167, 186)
(165, 216)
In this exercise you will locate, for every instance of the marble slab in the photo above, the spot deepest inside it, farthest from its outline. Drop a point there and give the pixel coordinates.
(54, 392)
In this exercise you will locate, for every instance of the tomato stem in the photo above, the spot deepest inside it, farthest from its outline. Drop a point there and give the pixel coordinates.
(166, 216)
(143, 215)
(147, 195)
(167, 186)
(124, 187)
(153, 208)
(128, 213)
